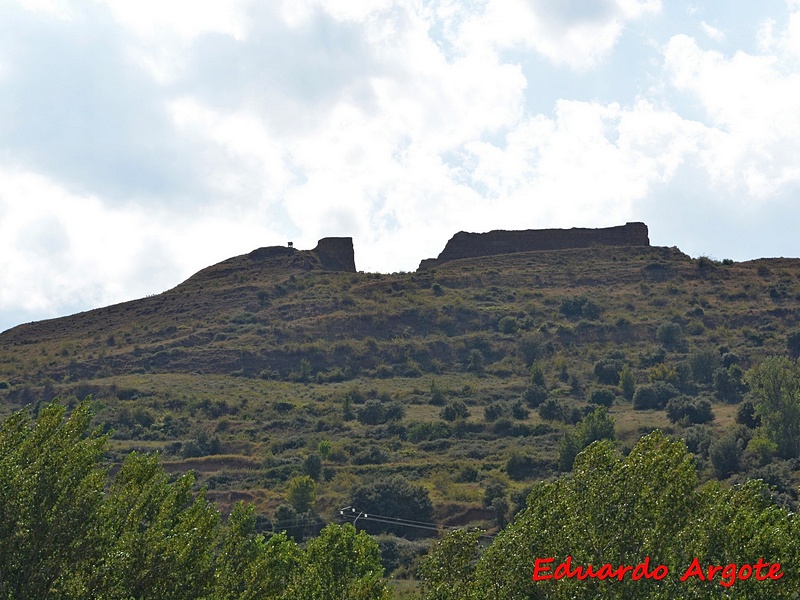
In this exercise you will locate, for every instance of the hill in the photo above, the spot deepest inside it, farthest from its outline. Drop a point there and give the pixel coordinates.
(464, 378)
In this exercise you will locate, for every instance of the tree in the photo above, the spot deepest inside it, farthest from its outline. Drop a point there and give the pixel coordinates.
(65, 533)
(746, 415)
(519, 466)
(727, 387)
(607, 370)
(620, 509)
(597, 425)
(476, 361)
(393, 497)
(793, 343)
(312, 466)
(250, 567)
(775, 384)
(508, 325)
(537, 375)
(689, 410)
(454, 410)
(534, 395)
(493, 411)
(627, 382)
(50, 496)
(726, 456)
(301, 493)
(64, 537)
(654, 395)
(158, 537)
(603, 397)
(702, 364)
(551, 410)
(286, 520)
(324, 448)
(341, 564)
(448, 571)
(669, 334)
(372, 413)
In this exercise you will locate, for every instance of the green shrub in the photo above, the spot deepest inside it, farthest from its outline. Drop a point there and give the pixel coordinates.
(372, 413)
(507, 325)
(603, 397)
(597, 425)
(437, 394)
(607, 370)
(627, 383)
(374, 455)
(698, 439)
(312, 466)
(476, 361)
(653, 396)
(430, 430)
(551, 410)
(493, 411)
(670, 335)
(793, 343)
(689, 410)
(727, 387)
(454, 410)
(726, 455)
(746, 415)
(534, 395)
(572, 306)
(396, 498)
(519, 411)
(531, 347)
(702, 364)
(521, 466)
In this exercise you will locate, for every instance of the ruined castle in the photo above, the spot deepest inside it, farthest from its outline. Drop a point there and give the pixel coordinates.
(471, 245)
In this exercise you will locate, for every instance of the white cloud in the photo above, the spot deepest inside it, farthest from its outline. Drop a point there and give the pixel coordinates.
(70, 251)
(793, 34)
(713, 33)
(184, 18)
(576, 35)
(51, 8)
(589, 165)
(751, 105)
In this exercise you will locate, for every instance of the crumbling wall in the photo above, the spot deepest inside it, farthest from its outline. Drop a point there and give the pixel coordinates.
(470, 245)
(336, 254)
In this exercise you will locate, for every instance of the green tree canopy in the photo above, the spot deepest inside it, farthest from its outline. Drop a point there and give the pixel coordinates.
(66, 534)
(621, 509)
(775, 384)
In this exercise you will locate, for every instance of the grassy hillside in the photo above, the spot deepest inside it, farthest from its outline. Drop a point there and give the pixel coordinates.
(241, 372)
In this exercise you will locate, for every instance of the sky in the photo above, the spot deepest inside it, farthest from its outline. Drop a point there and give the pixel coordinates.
(143, 141)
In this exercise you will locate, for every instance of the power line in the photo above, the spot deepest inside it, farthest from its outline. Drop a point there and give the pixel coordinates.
(350, 512)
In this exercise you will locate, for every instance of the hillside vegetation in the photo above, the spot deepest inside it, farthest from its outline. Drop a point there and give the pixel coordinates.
(454, 389)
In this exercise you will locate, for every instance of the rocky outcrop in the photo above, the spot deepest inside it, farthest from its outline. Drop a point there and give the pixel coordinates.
(470, 245)
(336, 254)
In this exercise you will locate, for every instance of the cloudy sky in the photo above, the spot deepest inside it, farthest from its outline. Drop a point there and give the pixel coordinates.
(142, 141)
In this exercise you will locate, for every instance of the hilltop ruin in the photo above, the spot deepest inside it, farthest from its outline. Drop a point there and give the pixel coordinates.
(471, 245)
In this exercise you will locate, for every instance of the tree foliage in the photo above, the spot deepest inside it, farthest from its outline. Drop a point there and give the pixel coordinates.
(51, 490)
(597, 425)
(685, 409)
(619, 510)
(448, 573)
(67, 534)
(396, 498)
(775, 385)
(301, 493)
